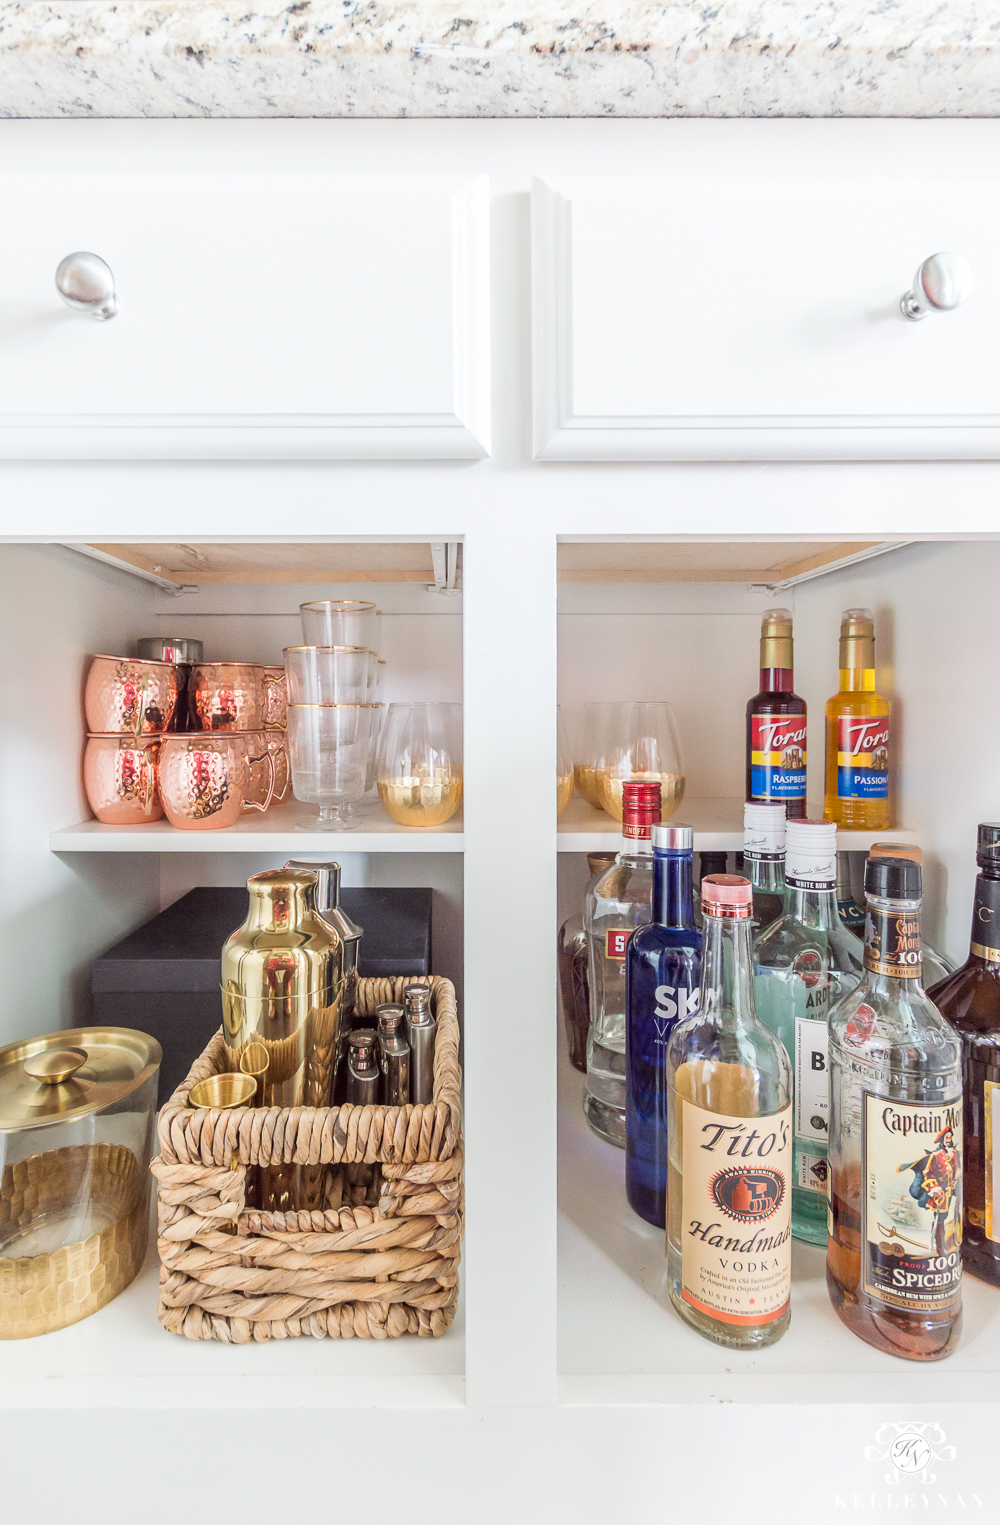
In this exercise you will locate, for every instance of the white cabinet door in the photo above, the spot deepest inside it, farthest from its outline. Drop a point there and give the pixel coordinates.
(262, 316)
(759, 320)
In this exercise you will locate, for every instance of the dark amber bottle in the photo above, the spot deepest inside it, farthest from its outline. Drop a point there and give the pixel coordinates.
(970, 1000)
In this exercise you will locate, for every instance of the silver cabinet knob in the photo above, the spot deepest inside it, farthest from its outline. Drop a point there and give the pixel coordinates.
(943, 282)
(85, 283)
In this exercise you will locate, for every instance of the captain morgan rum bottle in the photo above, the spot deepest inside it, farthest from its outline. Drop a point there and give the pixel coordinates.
(776, 723)
(857, 733)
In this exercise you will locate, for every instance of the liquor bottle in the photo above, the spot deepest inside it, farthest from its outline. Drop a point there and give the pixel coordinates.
(393, 1055)
(421, 1034)
(708, 863)
(776, 723)
(764, 861)
(729, 1234)
(805, 962)
(857, 733)
(622, 900)
(970, 1001)
(574, 984)
(662, 984)
(934, 966)
(894, 1261)
(852, 915)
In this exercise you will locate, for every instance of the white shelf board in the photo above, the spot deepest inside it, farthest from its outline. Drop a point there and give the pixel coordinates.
(122, 1357)
(718, 827)
(620, 1342)
(287, 828)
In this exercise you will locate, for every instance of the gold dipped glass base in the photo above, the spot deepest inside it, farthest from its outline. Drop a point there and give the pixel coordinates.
(585, 779)
(609, 787)
(421, 801)
(564, 793)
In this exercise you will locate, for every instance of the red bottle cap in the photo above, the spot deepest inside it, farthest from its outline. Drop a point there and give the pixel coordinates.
(726, 895)
(640, 808)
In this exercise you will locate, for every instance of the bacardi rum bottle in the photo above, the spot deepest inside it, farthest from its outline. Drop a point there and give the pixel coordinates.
(894, 1256)
(620, 901)
(857, 733)
(970, 1000)
(729, 1118)
(764, 861)
(662, 984)
(776, 723)
(805, 962)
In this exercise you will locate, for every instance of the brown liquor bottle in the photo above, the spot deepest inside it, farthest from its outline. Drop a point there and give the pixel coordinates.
(776, 724)
(970, 1000)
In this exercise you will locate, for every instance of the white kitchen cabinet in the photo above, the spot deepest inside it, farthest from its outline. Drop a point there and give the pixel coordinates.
(263, 316)
(693, 319)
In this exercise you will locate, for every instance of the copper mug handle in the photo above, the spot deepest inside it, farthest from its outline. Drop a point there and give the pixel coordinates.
(265, 756)
(265, 678)
(148, 802)
(283, 749)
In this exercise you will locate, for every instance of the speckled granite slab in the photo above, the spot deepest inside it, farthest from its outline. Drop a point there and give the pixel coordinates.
(499, 58)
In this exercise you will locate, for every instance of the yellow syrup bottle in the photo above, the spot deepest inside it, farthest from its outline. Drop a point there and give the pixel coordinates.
(857, 733)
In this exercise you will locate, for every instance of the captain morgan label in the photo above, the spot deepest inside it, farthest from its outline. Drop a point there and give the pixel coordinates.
(778, 757)
(892, 944)
(736, 1215)
(912, 1204)
(862, 757)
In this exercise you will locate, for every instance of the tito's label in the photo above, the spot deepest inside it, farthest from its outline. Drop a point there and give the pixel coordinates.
(778, 757)
(736, 1223)
(912, 1211)
(892, 944)
(986, 920)
(862, 757)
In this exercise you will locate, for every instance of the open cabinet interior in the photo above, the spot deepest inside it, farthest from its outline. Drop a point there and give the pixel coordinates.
(684, 629)
(76, 887)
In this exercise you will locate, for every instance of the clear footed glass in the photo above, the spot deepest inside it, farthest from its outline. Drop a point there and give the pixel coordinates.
(328, 752)
(419, 768)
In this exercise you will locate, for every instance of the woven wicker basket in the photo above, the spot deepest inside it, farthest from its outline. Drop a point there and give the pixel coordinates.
(381, 1260)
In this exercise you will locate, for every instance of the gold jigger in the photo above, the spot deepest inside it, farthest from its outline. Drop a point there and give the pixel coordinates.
(223, 1091)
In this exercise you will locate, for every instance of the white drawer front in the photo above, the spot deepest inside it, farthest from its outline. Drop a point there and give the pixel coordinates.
(261, 316)
(676, 320)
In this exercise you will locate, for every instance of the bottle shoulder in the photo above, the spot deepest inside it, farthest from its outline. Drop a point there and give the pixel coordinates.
(857, 701)
(779, 945)
(969, 1000)
(900, 1027)
(710, 1038)
(653, 937)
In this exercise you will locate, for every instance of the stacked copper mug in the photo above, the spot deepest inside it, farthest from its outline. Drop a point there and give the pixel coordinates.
(139, 763)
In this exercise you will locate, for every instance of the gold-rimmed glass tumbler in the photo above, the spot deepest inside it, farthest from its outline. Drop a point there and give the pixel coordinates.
(328, 752)
(642, 742)
(419, 770)
(328, 674)
(564, 765)
(340, 622)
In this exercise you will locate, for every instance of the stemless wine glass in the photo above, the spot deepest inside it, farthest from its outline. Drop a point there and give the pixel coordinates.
(419, 768)
(374, 736)
(328, 674)
(328, 752)
(564, 765)
(642, 742)
(596, 719)
(340, 622)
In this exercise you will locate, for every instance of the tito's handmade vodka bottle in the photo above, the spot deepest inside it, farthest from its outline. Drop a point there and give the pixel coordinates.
(894, 1259)
(729, 1118)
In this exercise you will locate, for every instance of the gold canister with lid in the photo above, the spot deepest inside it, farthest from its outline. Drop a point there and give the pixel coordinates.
(283, 991)
(76, 1130)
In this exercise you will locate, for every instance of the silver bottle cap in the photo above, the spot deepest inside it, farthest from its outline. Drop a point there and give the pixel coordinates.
(673, 838)
(390, 1019)
(417, 1000)
(361, 1049)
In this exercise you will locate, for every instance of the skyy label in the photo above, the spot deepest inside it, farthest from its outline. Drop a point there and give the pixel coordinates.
(862, 757)
(778, 757)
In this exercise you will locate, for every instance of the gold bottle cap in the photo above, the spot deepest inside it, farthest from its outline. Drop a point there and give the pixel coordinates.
(857, 640)
(776, 639)
(72, 1074)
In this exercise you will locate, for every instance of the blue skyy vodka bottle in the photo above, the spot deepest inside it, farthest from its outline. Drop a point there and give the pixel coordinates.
(662, 980)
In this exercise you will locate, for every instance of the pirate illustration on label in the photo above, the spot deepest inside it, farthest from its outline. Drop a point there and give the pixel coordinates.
(935, 1188)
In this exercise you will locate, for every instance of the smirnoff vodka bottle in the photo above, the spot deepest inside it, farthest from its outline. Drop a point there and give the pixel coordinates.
(729, 1119)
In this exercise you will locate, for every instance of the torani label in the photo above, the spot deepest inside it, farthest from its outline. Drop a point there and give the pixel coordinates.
(736, 1231)
(991, 1109)
(862, 757)
(778, 757)
(892, 944)
(986, 920)
(912, 1202)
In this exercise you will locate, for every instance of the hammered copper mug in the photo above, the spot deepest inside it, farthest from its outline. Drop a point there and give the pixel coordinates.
(127, 697)
(120, 777)
(275, 699)
(227, 696)
(265, 766)
(205, 779)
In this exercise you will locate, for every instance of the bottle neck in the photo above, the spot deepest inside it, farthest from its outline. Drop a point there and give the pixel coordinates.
(892, 947)
(727, 971)
(766, 874)
(816, 909)
(776, 680)
(857, 680)
(673, 902)
(984, 943)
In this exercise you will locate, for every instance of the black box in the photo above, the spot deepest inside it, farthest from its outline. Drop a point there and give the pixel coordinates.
(163, 979)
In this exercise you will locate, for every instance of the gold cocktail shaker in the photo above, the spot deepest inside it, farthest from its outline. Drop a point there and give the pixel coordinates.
(283, 988)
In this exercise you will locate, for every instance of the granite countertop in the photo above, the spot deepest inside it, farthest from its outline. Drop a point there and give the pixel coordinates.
(499, 58)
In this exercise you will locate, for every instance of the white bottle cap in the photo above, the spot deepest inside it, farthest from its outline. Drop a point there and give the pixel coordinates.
(763, 831)
(811, 855)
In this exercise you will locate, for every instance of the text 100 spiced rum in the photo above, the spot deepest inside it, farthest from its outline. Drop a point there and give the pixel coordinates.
(776, 723)
(729, 1121)
(894, 1255)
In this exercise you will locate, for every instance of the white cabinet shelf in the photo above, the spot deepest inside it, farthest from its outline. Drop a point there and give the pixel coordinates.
(718, 827)
(621, 1342)
(287, 828)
